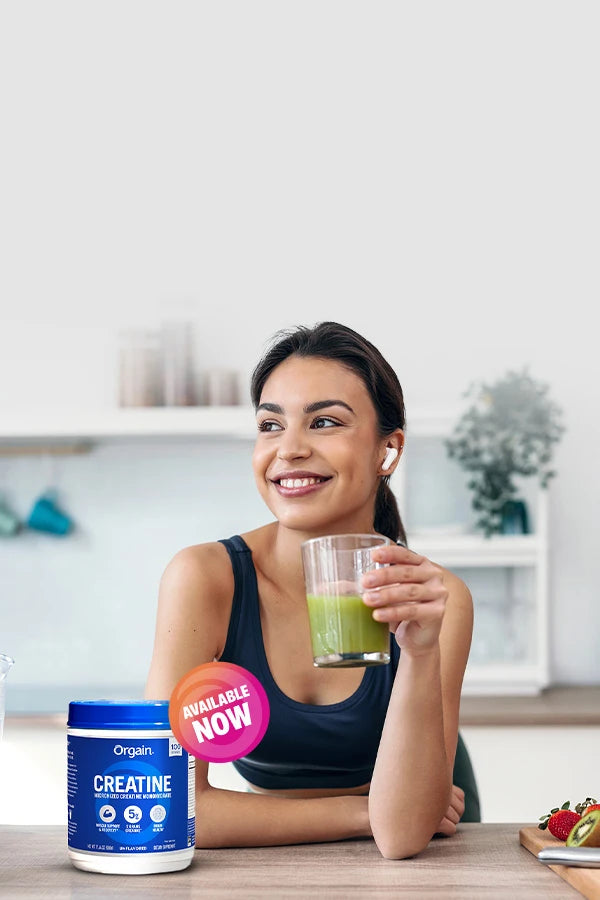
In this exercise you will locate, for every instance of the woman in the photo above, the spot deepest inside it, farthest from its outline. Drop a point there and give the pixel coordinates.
(348, 752)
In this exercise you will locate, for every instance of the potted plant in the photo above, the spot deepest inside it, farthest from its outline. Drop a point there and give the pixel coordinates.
(509, 429)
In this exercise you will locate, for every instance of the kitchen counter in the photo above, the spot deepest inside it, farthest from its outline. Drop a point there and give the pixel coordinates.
(478, 861)
(557, 705)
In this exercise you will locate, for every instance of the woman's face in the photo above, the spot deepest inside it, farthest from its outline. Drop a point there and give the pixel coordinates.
(318, 453)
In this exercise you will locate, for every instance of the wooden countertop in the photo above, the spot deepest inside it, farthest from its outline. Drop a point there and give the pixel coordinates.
(557, 705)
(478, 861)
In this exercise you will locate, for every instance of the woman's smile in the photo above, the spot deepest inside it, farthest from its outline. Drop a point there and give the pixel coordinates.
(299, 484)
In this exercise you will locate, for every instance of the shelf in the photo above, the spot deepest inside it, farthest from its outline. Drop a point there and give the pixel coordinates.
(510, 678)
(191, 421)
(83, 425)
(477, 550)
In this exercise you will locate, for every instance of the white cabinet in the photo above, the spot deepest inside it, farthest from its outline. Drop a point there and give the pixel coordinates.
(524, 772)
(33, 773)
(506, 574)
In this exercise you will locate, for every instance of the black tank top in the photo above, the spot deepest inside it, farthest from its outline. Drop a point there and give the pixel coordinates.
(305, 745)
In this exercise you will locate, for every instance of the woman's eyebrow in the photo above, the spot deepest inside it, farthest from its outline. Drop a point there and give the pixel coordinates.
(311, 408)
(323, 404)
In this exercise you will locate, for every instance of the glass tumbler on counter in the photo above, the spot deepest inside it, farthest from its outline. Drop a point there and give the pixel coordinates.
(6, 663)
(343, 630)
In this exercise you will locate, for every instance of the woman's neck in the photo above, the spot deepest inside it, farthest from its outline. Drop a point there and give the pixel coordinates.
(282, 554)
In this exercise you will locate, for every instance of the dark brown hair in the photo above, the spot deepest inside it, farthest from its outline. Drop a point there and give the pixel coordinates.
(330, 340)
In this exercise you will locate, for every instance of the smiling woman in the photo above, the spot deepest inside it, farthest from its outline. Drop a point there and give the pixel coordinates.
(369, 752)
(296, 479)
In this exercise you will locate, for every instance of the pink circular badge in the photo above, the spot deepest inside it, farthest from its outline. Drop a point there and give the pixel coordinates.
(219, 712)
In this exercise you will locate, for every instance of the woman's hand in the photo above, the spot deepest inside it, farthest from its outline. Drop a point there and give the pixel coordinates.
(447, 826)
(409, 594)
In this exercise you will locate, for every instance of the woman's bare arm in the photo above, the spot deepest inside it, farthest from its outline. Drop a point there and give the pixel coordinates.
(411, 786)
(195, 589)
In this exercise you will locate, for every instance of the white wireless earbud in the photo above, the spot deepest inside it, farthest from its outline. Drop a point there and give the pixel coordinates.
(390, 455)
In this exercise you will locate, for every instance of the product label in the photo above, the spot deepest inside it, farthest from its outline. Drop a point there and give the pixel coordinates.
(130, 795)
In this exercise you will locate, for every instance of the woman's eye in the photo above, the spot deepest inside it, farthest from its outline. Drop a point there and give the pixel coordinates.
(324, 422)
(269, 426)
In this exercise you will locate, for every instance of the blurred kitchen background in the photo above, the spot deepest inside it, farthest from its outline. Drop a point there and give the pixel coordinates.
(423, 172)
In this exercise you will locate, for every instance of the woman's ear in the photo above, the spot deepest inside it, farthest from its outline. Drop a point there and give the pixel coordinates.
(393, 450)
(390, 456)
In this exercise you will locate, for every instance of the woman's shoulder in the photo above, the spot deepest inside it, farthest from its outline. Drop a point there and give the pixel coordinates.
(457, 589)
(200, 566)
(452, 580)
(194, 603)
(458, 616)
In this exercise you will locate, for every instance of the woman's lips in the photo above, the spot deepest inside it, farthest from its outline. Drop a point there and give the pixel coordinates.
(299, 487)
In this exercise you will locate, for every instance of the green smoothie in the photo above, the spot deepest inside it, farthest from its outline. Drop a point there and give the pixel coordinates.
(344, 625)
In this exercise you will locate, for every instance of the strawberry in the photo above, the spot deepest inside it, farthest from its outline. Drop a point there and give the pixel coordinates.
(584, 808)
(559, 822)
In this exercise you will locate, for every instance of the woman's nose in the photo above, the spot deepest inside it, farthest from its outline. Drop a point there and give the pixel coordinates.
(293, 446)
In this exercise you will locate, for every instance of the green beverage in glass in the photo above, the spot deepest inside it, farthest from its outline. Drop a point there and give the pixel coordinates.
(343, 631)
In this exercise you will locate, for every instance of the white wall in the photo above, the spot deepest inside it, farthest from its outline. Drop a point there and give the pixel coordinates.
(424, 172)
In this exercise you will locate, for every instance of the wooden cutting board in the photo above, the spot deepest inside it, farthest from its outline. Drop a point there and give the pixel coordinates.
(586, 881)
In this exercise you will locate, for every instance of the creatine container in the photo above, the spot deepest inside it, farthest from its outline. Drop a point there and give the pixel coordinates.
(130, 788)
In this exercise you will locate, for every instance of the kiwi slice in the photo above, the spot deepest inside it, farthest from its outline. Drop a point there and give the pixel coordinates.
(586, 832)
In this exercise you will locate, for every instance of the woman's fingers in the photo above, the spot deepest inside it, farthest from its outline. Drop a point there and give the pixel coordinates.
(446, 827)
(406, 593)
(458, 800)
(410, 596)
(453, 814)
(426, 613)
(394, 554)
(399, 575)
(405, 570)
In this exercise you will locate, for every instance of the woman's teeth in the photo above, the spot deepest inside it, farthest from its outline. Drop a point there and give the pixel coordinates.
(298, 482)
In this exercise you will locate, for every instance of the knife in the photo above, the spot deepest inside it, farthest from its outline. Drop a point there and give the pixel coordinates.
(588, 857)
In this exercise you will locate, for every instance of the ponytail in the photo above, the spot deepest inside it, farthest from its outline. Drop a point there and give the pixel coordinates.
(387, 517)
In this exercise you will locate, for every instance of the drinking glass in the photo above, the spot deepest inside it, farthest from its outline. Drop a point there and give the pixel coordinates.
(5, 664)
(342, 628)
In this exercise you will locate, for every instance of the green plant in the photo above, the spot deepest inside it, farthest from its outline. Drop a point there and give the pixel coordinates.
(509, 430)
